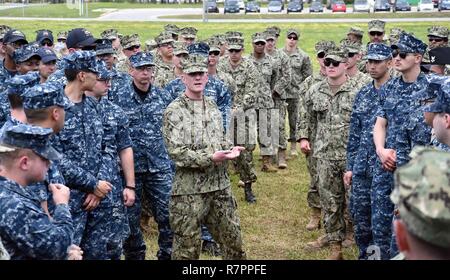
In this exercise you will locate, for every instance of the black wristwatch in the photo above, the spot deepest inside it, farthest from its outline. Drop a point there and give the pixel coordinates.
(130, 187)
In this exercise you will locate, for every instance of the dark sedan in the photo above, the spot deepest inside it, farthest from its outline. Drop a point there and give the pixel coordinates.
(401, 5)
(252, 7)
(231, 6)
(211, 6)
(316, 7)
(294, 7)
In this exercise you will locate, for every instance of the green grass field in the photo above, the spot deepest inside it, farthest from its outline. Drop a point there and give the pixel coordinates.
(274, 228)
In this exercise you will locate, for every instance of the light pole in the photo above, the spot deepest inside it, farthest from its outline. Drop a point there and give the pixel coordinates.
(205, 11)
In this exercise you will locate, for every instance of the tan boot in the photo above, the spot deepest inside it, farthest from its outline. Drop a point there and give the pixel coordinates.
(293, 153)
(314, 220)
(241, 184)
(267, 165)
(320, 243)
(336, 251)
(282, 159)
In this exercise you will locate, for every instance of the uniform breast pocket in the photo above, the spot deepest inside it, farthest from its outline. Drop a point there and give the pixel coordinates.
(418, 130)
(240, 80)
(346, 112)
(389, 108)
(320, 108)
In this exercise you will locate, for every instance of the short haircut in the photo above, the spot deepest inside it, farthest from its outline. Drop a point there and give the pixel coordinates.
(71, 74)
(7, 158)
(15, 101)
(36, 115)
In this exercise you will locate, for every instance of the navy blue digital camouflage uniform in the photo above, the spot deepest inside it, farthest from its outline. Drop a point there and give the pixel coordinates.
(118, 127)
(153, 168)
(89, 156)
(25, 229)
(361, 155)
(401, 105)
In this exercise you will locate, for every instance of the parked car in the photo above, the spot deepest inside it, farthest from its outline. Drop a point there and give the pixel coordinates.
(211, 6)
(241, 4)
(361, 6)
(401, 5)
(425, 5)
(339, 6)
(382, 5)
(316, 7)
(275, 6)
(330, 4)
(444, 5)
(295, 6)
(231, 6)
(252, 7)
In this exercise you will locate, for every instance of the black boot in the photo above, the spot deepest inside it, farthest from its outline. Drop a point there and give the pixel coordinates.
(249, 196)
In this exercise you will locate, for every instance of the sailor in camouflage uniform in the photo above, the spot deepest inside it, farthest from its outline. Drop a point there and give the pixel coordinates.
(281, 61)
(144, 105)
(268, 73)
(172, 29)
(361, 155)
(329, 111)
(25, 229)
(13, 39)
(354, 57)
(215, 53)
(201, 192)
(399, 127)
(188, 35)
(123, 193)
(3, 30)
(131, 44)
(88, 158)
(244, 101)
(164, 69)
(301, 68)
(44, 105)
(355, 34)
(308, 129)
(421, 194)
(437, 116)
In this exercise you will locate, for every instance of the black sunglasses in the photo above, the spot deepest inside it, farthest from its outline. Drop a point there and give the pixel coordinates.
(351, 55)
(132, 48)
(260, 43)
(292, 38)
(402, 55)
(233, 50)
(215, 53)
(329, 62)
(62, 40)
(376, 33)
(47, 43)
(321, 55)
(435, 40)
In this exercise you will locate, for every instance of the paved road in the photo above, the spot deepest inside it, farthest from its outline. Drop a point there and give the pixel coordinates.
(154, 14)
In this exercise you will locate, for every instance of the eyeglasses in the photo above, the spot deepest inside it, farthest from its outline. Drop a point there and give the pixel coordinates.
(145, 68)
(215, 53)
(376, 33)
(321, 55)
(233, 50)
(329, 62)
(17, 44)
(62, 40)
(260, 43)
(437, 40)
(292, 38)
(402, 55)
(47, 43)
(350, 55)
(132, 48)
